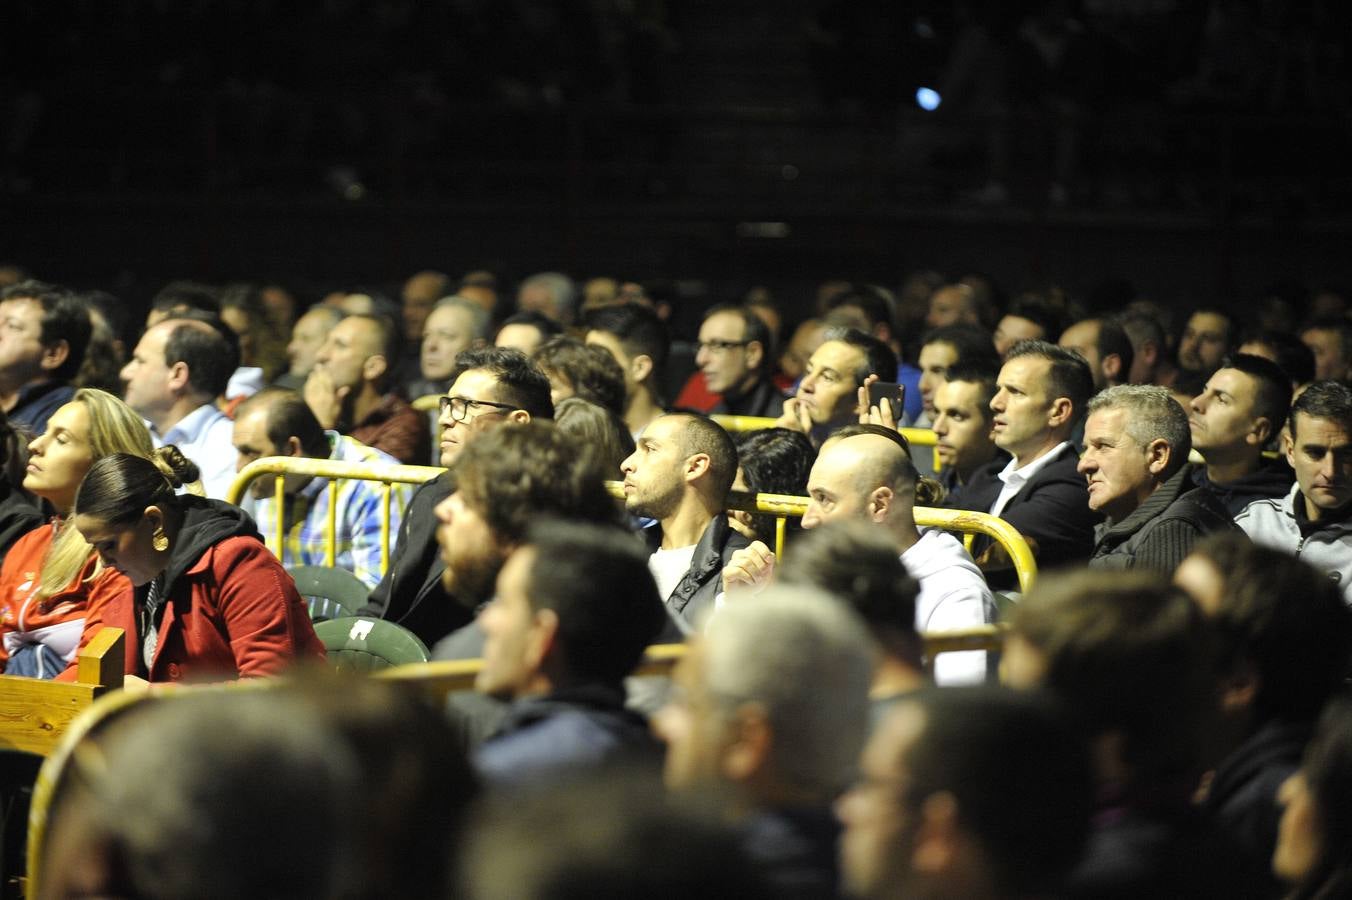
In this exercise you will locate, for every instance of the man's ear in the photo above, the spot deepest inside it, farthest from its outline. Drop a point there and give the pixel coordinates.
(880, 503)
(750, 739)
(1261, 431)
(178, 376)
(518, 417)
(938, 836)
(293, 447)
(55, 355)
(1112, 367)
(755, 352)
(1239, 688)
(543, 638)
(696, 465)
(640, 367)
(1061, 412)
(374, 367)
(1158, 453)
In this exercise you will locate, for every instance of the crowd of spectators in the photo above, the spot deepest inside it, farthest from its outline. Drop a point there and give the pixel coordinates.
(1164, 714)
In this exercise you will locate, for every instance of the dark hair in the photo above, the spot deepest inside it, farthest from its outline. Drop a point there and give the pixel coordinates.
(1068, 377)
(118, 487)
(775, 461)
(638, 328)
(983, 376)
(1112, 339)
(389, 342)
(878, 357)
(1272, 396)
(576, 573)
(876, 305)
(1285, 618)
(537, 320)
(1041, 311)
(65, 317)
(1340, 327)
(288, 416)
(519, 381)
(513, 476)
(702, 434)
(13, 453)
(859, 564)
(1141, 327)
(211, 357)
(592, 371)
(971, 343)
(557, 844)
(1328, 773)
(181, 296)
(1019, 773)
(1127, 652)
(599, 431)
(753, 329)
(1330, 400)
(1293, 355)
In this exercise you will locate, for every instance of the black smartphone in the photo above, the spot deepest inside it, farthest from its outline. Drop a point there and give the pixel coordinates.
(895, 394)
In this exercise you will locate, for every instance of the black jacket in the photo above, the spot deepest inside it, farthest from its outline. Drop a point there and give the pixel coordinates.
(1242, 798)
(764, 399)
(1051, 509)
(573, 730)
(1272, 480)
(704, 580)
(411, 593)
(1162, 530)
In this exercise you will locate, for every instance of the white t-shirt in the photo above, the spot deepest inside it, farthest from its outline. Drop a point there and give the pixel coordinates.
(669, 567)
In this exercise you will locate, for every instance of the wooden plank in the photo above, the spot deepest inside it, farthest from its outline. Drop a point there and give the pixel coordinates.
(34, 714)
(103, 659)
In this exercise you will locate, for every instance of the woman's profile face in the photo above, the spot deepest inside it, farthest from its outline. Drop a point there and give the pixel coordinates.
(59, 458)
(1299, 843)
(128, 548)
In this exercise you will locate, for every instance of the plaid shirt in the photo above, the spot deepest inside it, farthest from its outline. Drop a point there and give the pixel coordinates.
(358, 520)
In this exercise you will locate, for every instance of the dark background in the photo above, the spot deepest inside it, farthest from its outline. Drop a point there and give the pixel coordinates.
(1197, 150)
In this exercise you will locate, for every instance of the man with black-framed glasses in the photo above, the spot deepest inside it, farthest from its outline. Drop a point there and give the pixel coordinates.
(734, 352)
(490, 386)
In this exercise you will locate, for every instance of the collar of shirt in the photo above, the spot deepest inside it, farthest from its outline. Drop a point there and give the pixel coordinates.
(1012, 476)
(189, 428)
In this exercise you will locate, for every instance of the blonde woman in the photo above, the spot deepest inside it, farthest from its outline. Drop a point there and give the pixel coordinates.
(51, 576)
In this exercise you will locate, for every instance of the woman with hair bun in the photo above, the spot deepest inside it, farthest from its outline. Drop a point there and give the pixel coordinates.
(209, 600)
(50, 576)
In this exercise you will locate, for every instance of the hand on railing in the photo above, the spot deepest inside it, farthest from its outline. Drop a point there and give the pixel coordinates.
(750, 569)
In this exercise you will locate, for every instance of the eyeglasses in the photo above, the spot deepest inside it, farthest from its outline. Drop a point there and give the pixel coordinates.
(459, 407)
(718, 346)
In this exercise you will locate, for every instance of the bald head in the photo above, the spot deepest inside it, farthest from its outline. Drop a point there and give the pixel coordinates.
(860, 476)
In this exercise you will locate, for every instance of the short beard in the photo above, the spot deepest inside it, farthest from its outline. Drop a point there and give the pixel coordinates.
(660, 507)
(470, 580)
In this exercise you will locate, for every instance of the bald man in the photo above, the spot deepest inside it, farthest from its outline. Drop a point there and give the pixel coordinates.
(865, 473)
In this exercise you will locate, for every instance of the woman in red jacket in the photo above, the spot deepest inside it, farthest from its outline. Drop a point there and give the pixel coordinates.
(51, 576)
(210, 600)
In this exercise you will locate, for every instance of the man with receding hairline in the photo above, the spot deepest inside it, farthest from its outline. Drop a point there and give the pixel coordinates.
(680, 472)
(349, 389)
(178, 369)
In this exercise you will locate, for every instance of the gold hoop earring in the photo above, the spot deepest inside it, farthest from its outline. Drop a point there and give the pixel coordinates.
(159, 540)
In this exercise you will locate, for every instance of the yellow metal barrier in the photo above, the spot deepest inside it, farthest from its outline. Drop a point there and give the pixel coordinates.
(781, 505)
(960, 520)
(334, 471)
(442, 678)
(427, 403)
(916, 437)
